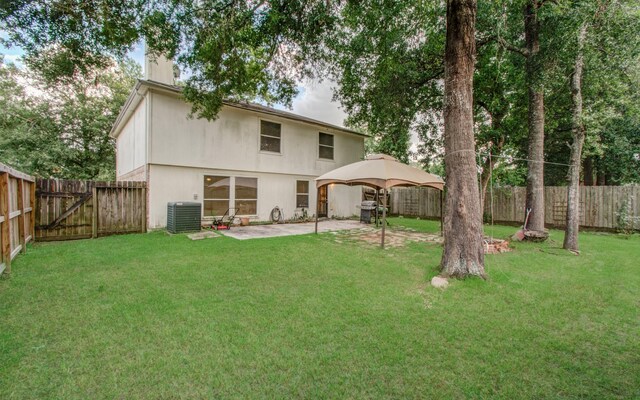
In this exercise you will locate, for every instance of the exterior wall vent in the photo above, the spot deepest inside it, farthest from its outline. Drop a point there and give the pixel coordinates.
(183, 216)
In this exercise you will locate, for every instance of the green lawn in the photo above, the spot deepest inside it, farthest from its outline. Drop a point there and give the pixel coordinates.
(157, 316)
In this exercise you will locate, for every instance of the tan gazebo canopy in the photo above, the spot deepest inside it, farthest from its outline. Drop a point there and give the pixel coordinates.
(379, 171)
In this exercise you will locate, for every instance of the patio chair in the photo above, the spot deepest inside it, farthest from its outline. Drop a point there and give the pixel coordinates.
(226, 220)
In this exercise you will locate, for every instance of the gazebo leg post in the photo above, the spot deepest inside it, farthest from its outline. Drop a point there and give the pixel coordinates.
(317, 207)
(384, 214)
(377, 205)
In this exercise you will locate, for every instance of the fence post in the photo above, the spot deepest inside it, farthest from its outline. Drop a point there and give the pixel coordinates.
(32, 215)
(94, 212)
(144, 208)
(21, 232)
(5, 251)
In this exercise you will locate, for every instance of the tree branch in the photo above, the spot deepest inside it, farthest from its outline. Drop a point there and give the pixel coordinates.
(485, 106)
(540, 3)
(484, 41)
(522, 51)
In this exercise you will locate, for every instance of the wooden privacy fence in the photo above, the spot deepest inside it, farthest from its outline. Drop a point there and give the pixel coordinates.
(75, 209)
(17, 197)
(416, 201)
(601, 207)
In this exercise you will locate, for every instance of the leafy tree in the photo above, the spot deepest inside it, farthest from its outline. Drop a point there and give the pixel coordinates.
(388, 60)
(463, 253)
(593, 22)
(618, 147)
(61, 129)
(233, 50)
(612, 93)
(24, 126)
(500, 100)
(526, 41)
(577, 130)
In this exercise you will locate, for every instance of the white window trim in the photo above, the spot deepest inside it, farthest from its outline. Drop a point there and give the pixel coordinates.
(308, 194)
(273, 153)
(231, 184)
(256, 199)
(324, 145)
(232, 195)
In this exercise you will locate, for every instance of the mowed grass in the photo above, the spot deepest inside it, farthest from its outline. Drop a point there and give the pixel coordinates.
(155, 316)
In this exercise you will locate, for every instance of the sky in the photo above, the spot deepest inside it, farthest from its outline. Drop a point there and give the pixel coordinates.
(10, 55)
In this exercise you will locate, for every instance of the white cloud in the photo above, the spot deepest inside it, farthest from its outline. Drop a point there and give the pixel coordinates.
(314, 101)
(13, 59)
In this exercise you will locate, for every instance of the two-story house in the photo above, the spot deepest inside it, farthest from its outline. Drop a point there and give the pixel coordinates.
(251, 157)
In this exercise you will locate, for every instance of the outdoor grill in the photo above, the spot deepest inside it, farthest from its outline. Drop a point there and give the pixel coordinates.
(367, 208)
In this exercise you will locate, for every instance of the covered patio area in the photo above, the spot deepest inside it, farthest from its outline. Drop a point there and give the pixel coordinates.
(380, 172)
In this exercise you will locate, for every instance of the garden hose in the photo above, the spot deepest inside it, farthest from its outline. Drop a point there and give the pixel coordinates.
(276, 215)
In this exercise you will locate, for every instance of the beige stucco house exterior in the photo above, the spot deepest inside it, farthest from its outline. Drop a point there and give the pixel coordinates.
(252, 157)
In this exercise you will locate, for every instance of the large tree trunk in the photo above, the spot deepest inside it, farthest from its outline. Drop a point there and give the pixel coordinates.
(587, 168)
(573, 189)
(463, 253)
(535, 174)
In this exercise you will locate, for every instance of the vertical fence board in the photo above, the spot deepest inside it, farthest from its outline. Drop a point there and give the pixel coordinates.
(5, 234)
(600, 206)
(21, 232)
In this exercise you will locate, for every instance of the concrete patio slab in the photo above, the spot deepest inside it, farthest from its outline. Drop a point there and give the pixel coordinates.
(275, 230)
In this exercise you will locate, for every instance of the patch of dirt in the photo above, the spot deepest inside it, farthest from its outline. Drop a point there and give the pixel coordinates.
(394, 237)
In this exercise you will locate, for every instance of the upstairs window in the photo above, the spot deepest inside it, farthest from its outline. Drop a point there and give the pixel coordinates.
(302, 194)
(325, 150)
(270, 134)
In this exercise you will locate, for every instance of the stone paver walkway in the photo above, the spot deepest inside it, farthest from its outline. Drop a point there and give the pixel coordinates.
(343, 230)
(394, 236)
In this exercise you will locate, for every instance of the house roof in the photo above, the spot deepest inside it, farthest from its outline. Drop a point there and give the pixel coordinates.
(142, 86)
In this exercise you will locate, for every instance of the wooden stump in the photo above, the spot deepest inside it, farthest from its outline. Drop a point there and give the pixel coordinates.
(536, 236)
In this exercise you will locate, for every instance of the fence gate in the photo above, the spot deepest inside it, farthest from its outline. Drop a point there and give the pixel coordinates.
(74, 209)
(17, 197)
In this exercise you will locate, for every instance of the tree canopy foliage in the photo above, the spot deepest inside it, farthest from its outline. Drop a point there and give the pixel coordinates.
(231, 49)
(610, 88)
(387, 58)
(62, 129)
